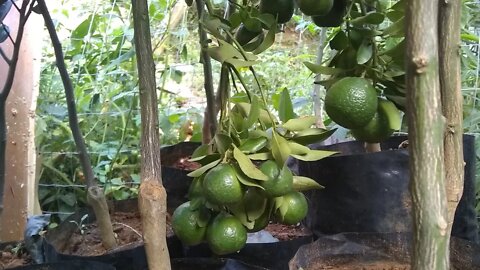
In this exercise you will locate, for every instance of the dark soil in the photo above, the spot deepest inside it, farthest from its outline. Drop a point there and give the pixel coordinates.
(361, 266)
(127, 228)
(10, 258)
(287, 232)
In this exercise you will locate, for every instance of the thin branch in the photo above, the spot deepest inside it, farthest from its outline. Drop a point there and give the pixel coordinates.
(69, 94)
(5, 57)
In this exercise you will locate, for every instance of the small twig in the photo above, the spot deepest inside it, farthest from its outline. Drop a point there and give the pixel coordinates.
(125, 225)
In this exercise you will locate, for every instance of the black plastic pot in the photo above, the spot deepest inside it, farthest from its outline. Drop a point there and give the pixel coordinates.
(369, 192)
(275, 255)
(375, 251)
(176, 181)
(70, 265)
(125, 258)
(211, 264)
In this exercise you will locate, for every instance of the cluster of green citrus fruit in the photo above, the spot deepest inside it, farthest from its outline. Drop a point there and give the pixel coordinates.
(244, 182)
(352, 102)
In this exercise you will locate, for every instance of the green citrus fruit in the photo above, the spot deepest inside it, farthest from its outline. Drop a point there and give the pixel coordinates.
(226, 234)
(351, 102)
(280, 9)
(280, 181)
(315, 7)
(382, 125)
(296, 207)
(334, 17)
(244, 36)
(221, 185)
(185, 225)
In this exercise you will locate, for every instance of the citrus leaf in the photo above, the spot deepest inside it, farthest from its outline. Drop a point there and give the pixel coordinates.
(242, 178)
(198, 172)
(370, 18)
(196, 202)
(201, 151)
(260, 156)
(238, 63)
(280, 149)
(302, 183)
(298, 149)
(268, 40)
(222, 142)
(319, 69)
(364, 53)
(312, 135)
(285, 108)
(339, 41)
(204, 160)
(252, 145)
(256, 205)
(247, 166)
(254, 112)
(203, 217)
(257, 133)
(246, 107)
(299, 124)
(281, 206)
(238, 211)
(313, 155)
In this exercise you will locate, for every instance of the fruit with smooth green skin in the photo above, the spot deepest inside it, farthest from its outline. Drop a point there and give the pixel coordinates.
(351, 102)
(244, 36)
(226, 234)
(280, 181)
(315, 7)
(334, 17)
(280, 9)
(221, 185)
(185, 225)
(296, 208)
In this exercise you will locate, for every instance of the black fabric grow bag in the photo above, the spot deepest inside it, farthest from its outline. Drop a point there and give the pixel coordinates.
(130, 257)
(211, 264)
(275, 255)
(70, 265)
(376, 251)
(369, 192)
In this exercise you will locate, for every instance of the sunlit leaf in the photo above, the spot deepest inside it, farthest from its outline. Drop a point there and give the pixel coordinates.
(285, 110)
(248, 168)
(280, 149)
(302, 183)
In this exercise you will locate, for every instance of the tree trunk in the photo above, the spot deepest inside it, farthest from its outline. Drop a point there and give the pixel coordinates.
(152, 196)
(317, 103)
(95, 195)
(210, 119)
(426, 130)
(452, 101)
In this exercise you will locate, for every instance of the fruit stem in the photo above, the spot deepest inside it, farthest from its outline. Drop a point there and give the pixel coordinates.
(372, 147)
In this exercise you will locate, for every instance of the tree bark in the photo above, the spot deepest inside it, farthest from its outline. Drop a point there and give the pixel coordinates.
(95, 195)
(317, 103)
(152, 195)
(210, 119)
(452, 101)
(426, 130)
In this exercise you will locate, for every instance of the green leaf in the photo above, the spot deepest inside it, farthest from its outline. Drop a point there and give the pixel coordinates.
(396, 29)
(364, 53)
(222, 142)
(302, 183)
(239, 212)
(313, 155)
(298, 149)
(267, 41)
(89, 25)
(254, 113)
(260, 156)
(252, 145)
(281, 206)
(370, 18)
(339, 41)
(319, 69)
(245, 180)
(204, 160)
(204, 216)
(246, 108)
(280, 149)
(299, 124)
(201, 151)
(312, 135)
(247, 166)
(256, 203)
(285, 110)
(198, 172)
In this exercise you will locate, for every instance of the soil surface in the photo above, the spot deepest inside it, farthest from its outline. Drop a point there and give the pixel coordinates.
(287, 232)
(127, 228)
(362, 266)
(10, 258)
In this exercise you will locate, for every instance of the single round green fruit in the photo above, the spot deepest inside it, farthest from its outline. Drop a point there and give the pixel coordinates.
(315, 7)
(351, 102)
(243, 35)
(185, 225)
(296, 208)
(221, 185)
(334, 17)
(280, 9)
(280, 181)
(380, 127)
(226, 234)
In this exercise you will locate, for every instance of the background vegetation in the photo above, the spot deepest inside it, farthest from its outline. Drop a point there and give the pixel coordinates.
(97, 37)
